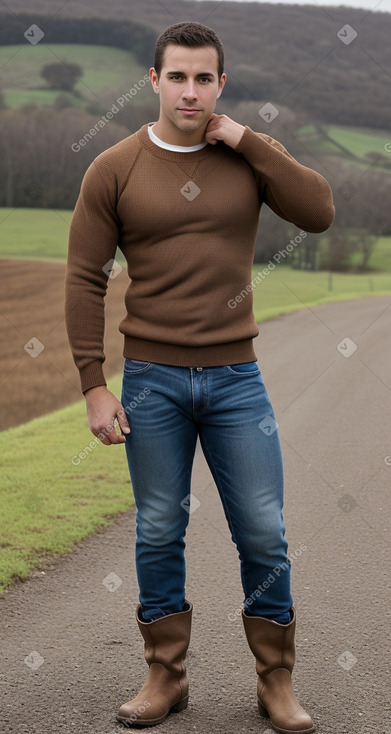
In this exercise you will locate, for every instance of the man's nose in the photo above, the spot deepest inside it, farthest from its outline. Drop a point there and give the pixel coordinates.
(189, 91)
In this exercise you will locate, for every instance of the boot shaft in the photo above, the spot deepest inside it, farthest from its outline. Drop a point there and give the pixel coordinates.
(167, 639)
(272, 644)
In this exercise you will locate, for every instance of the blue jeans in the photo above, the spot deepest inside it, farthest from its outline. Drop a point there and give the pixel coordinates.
(229, 409)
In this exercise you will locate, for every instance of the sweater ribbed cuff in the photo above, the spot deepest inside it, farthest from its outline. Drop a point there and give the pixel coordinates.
(92, 376)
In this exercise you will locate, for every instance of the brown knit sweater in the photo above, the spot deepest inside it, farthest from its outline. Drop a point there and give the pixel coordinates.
(186, 224)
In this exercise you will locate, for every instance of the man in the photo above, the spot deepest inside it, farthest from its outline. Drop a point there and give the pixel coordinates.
(181, 198)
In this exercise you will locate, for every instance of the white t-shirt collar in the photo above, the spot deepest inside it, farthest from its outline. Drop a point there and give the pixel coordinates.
(173, 148)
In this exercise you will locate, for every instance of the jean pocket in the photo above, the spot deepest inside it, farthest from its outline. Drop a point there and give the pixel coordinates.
(243, 368)
(132, 366)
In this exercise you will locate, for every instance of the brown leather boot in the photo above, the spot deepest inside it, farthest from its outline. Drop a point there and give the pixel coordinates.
(166, 688)
(273, 645)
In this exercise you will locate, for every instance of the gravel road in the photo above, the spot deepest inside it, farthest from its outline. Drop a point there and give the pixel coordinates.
(71, 651)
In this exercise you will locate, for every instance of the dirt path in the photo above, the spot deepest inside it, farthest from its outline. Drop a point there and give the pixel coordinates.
(71, 652)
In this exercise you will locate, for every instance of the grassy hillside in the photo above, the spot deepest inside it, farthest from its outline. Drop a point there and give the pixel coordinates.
(352, 144)
(360, 141)
(106, 70)
(109, 72)
(356, 140)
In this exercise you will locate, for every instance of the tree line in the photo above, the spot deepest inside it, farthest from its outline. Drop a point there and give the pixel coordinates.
(129, 34)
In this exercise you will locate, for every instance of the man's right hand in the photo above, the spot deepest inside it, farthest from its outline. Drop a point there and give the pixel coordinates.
(103, 409)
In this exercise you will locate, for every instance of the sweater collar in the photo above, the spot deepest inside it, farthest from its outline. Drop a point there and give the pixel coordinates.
(169, 155)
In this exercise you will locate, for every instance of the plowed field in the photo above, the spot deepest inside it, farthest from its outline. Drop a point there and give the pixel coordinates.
(32, 312)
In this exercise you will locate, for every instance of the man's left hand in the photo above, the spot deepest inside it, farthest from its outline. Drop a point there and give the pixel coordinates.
(221, 127)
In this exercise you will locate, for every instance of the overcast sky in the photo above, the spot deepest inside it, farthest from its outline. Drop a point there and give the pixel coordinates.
(383, 5)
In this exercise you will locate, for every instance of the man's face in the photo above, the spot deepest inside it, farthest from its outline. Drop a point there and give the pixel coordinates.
(188, 87)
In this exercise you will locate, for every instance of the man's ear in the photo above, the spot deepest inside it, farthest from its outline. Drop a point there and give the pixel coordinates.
(154, 80)
(222, 81)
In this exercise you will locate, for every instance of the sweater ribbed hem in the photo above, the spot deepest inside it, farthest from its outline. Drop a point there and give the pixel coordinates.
(182, 356)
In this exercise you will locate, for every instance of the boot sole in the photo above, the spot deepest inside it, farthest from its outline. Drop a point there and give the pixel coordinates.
(176, 708)
(264, 712)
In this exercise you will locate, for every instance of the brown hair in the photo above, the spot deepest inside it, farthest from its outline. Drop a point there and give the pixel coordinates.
(192, 35)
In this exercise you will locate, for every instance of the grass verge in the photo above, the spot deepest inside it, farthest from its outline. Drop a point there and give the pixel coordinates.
(52, 497)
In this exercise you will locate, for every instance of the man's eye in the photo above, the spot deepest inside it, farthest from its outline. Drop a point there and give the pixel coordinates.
(205, 79)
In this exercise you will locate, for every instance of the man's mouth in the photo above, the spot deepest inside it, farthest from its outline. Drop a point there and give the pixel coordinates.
(189, 110)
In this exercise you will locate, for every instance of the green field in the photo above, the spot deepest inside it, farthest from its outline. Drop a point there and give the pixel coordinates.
(360, 141)
(106, 71)
(355, 140)
(34, 233)
(16, 98)
(381, 256)
(285, 290)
